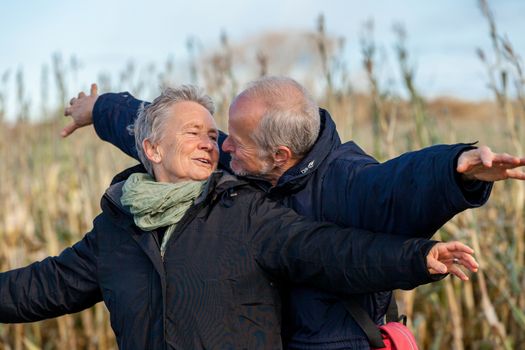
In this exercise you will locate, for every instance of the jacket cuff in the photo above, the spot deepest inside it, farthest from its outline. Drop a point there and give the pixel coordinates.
(101, 114)
(414, 256)
(105, 104)
(425, 249)
(471, 193)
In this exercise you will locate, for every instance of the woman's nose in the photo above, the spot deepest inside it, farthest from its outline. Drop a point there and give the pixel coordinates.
(207, 142)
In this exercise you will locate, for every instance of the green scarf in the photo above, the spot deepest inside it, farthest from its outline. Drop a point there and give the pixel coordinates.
(158, 204)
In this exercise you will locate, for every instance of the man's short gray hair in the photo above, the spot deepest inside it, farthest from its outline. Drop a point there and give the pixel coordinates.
(151, 119)
(291, 116)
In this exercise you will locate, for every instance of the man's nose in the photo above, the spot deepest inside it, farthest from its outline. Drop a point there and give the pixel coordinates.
(227, 145)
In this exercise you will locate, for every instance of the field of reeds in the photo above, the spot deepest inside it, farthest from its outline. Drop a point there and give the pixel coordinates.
(50, 187)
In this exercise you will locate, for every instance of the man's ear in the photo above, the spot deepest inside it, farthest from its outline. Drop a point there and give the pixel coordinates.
(152, 151)
(282, 155)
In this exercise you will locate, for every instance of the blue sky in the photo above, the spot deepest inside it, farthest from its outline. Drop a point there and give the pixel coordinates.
(104, 35)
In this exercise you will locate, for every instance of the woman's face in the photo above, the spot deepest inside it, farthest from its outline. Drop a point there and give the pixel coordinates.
(188, 147)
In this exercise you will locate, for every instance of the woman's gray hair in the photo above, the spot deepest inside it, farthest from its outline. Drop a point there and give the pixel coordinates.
(291, 116)
(151, 119)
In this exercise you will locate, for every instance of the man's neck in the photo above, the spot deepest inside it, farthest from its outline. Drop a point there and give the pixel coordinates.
(277, 172)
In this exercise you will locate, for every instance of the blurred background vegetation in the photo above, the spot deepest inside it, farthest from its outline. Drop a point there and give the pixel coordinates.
(50, 187)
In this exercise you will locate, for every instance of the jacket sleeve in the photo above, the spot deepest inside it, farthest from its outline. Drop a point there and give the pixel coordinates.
(413, 194)
(294, 249)
(52, 287)
(113, 113)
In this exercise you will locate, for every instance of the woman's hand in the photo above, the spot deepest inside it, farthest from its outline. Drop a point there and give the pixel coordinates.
(448, 257)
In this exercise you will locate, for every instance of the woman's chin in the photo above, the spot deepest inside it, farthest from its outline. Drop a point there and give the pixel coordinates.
(202, 175)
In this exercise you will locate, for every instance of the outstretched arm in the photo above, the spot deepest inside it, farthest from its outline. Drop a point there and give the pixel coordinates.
(415, 193)
(348, 261)
(52, 287)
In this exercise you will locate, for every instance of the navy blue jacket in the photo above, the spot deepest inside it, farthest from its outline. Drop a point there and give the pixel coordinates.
(413, 194)
(215, 288)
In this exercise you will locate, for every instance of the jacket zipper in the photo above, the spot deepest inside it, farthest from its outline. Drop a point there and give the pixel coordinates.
(155, 238)
(186, 219)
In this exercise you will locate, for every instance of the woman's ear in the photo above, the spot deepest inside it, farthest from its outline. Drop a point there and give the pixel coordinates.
(152, 151)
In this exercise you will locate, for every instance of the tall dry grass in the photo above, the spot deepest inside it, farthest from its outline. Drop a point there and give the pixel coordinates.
(50, 188)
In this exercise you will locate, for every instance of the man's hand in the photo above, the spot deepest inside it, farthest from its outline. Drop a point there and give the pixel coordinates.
(80, 110)
(448, 257)
(482, 164)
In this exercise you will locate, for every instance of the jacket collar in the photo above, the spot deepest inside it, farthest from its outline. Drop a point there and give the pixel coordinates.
(218, 182)
(114, 191)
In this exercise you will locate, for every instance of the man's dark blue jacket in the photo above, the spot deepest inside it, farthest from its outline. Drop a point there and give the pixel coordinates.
(413, 194)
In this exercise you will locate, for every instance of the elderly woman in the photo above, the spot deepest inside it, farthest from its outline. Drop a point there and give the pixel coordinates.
(188, 258)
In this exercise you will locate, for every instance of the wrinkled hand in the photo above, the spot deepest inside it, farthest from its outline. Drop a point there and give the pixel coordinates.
(482, 164)
(448, 257)
(80, 110)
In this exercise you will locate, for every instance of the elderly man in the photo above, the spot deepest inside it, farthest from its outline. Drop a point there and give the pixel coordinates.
(277, 133)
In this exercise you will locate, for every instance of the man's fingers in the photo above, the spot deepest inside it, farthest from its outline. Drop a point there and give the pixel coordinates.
(68, 130)
(506, 159)
(67, 111)
(516, 174)
(94, 89)
(486, 156)
(468, 159)
(462, 166)
(81, 94)
(482, 164)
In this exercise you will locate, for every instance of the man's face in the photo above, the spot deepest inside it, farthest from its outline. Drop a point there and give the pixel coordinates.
(246, 157)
